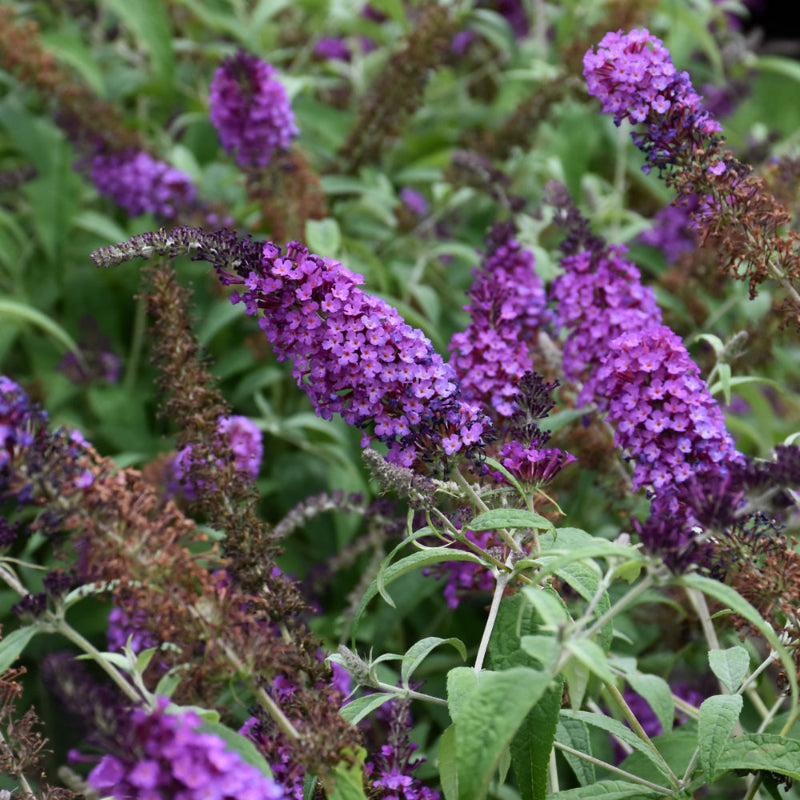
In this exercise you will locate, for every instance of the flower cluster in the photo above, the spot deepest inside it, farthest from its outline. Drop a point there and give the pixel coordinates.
(632, 74)
(250, 110)
(533, 465)
(141, 184)
(353, 354)
(662, 411)
(506, 305)
(244, 439)
(168, 757)
(600, 297)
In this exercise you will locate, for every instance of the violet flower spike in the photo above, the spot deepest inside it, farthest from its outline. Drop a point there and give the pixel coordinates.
(250, 110)
(633, 76)
(353, 354)
(141, 184)
(507, 303)
(662, 411)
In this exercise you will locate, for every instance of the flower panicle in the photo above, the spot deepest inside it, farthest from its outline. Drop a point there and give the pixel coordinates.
(506, 307)
(250, 110)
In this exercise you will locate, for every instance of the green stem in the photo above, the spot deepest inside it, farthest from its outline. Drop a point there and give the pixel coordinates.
(428, 698)
(638, 730)
(621, 604)
(60, 625)
(499, 588)
(137, 345)
(611, 768)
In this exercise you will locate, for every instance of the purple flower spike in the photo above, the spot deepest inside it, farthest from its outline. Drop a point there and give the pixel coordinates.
(140, 184)
(166, 755)
(600, 296)
(633, 76)
(354, 355)
(507, 304)
(662, 410)
(250, 110)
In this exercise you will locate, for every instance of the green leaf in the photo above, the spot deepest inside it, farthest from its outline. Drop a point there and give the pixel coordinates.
(730, 666)
(417, 653)
(549, 606)
(605, 790)
(148, 21)
(362, 707)
(733, 600)
(599, 548)
(26, 313)
(241, 745)
(744, 380)
(448, 763)
(348, 780)
(13, 644)
(656, 691)
(586, 583)
(530, 748)
(575, 734)
(487, 709)
(425, 558)
(323, 236)
(592, 656)
(718, 716)
(509, 518)
(310, 786)
(757, 751)
(621, 732)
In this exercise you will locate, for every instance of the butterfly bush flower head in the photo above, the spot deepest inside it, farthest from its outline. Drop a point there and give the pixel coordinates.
(506, 307)
(353, 354)
(141, 184)
(662, 411)
(633, 76)
(600, 296)
(241, 435)
(166, 755)
(250, 110)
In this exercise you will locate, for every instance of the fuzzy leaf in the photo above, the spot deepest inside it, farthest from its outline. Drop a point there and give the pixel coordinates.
(575, 734)
(757, 751)
(362, 707)
(605, 790)
(730, 666)
(619, 730)
(417, 653)
(509, 518)
(13, 644)
(657, 693)
(487, 709)
(718, 716)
